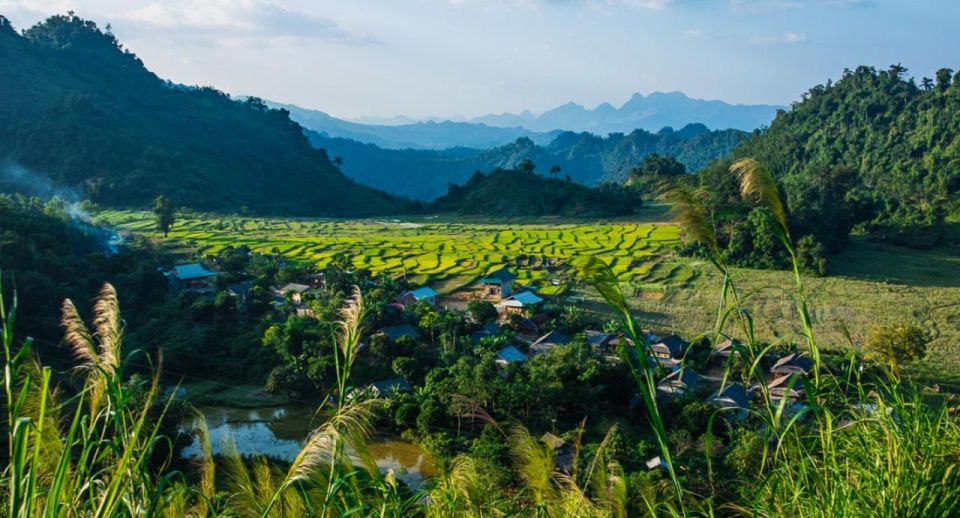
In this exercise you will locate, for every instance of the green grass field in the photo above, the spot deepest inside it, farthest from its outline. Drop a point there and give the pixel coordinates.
(868, 283)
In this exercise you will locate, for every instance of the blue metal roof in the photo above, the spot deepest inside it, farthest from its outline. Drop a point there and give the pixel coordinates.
(186, 272)
(511, 354)
(425, 292)
(527, 298)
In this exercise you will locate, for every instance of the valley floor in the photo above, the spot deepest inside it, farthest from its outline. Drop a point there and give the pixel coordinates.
(867, 284)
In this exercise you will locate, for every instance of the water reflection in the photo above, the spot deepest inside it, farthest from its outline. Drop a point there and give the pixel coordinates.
(278, 432)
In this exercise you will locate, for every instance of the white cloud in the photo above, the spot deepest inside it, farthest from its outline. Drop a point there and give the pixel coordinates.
(251, 21)
(788, 37)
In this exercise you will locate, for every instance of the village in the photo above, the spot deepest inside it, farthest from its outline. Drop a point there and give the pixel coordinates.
(523, 324)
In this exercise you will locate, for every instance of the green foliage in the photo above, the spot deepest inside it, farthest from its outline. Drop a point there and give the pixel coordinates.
(525, 193)
(583, 157)
(85, 112)
(896, 344)
(165, 212)
(871, 151)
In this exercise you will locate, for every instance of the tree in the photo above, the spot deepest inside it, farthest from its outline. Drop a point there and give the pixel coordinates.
(943, 79)
(338, 161)
(555, 170)
(526, 165)
(166, 214)
(897, 344)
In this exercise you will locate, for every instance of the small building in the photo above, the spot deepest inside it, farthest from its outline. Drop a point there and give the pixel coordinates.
(424, 293)
(727, 348)
(390, 386)
(563, 455)
(532, 326)
(731, 396)
(486, 330)
(294, 290)
(781, 388)
(520, 302)
(795, 363)
(240, 289)
(395, 333)
(668, 347)
(598, 340)
(191, 276)
(547, 342)
(678, 382)
(510, 354)
(498, 284)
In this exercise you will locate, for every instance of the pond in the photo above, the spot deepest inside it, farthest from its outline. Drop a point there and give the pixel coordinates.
(279, 432)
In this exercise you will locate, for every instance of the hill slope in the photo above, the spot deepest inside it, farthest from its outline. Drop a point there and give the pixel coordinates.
(508, 193)
(586, 158)
(885, 150)
(87, 114)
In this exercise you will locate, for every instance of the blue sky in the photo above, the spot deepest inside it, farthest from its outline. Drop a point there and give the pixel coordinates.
(470, 57)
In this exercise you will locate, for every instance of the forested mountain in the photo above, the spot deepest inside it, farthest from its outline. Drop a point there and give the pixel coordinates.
(650, 113)
(584, 157)
(415, 135)
(79, 109)
(874, 151)
(522, 192)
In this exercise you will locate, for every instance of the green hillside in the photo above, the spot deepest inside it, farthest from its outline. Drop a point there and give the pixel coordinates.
(874, 152)
(80, 109)
(584, 157)
(523, 192)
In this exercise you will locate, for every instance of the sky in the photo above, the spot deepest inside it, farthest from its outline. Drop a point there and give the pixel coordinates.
(464, 58)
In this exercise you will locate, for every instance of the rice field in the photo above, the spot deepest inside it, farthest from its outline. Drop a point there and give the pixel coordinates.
(868, 283)
(444, 254)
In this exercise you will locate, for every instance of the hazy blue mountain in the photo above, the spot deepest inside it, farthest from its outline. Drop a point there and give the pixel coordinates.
(650, 113)
(418, 135)
(588, 159)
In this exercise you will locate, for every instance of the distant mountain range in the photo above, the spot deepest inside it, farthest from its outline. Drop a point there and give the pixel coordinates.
(586, 158)
(415, 135)
(651, 113)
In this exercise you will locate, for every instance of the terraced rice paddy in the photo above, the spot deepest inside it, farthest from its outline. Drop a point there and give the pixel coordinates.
(868, 283)
(446, 255)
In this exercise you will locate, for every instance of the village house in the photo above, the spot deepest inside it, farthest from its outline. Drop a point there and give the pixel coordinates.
(731, 396)
(669, 347)
(519, 303)
(598, 340)
(193, 276)
(498, 284)
(726, 348)
(547, 342)
(508, 355)
(395, 333)
(486, 330)
(531, 327)
(795, 363)
(240, 289)
(421, 294)
(294, 291)
(678, 382)
(788, 387)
